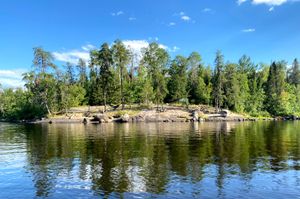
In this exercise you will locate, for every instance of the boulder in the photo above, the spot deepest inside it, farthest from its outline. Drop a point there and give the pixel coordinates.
(224, 113)
(102, 118)
(195, 116)
(125, 118)
(85, 121)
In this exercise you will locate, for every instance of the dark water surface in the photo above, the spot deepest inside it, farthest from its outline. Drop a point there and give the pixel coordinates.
(208, 160)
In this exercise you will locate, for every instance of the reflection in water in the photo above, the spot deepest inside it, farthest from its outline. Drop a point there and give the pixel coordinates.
(225, 160)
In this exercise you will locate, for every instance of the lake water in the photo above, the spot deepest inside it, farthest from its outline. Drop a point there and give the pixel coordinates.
(158, 160)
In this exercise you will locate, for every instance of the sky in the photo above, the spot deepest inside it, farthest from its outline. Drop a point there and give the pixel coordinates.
(265, 30)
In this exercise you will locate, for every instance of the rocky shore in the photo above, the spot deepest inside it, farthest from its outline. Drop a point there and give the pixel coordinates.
(169, 115)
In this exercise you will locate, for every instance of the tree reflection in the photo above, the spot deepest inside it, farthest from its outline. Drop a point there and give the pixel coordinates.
(139, 158)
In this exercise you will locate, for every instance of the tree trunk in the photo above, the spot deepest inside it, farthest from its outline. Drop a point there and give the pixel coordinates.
(47, 107)
(104, 96)
(122, 94)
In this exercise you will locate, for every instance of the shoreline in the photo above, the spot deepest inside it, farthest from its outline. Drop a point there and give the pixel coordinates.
(153, 116)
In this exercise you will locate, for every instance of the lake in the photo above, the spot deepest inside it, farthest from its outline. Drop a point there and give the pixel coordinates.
(150, 160)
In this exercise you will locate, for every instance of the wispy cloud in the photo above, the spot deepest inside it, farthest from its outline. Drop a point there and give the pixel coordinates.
(207, 10)
(12, 78)
(185, 18)
(271, 9)
(239, 2)
(172, 24)
(73, 56)
(88, 47)
(266, 2)
(173, 49)
(248, 30)
(131, 18)
(117, 13)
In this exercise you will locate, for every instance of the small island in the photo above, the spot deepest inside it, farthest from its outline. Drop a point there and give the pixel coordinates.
(150, 99)
(153, 87)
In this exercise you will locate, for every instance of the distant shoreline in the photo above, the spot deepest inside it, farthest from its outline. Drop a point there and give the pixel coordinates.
(168, 115)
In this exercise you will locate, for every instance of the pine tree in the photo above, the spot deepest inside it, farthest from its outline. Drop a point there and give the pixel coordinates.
(177, 85)
(232, 88)
(294, 73)
(155, 59)
(275, 87)
(103, 58)
(218, 81)
(70, 73)
(193, 62)
(121, 58)
(81, 67)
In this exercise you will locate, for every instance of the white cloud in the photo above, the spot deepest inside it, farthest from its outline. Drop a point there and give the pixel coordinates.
(249, 30)
(12, 78)
(181, 13)
(136, 46)
(207, 10)
(131, 18)
(117, 13)
(173, 49)
(88, 47)
(239, 2)
(185, 18)
(266, 2)
(269, 2)
(172, 24)
(73, 56)
(271, 9)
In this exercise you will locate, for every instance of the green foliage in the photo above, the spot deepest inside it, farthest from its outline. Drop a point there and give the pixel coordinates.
(142, 88)
(118, 76)
(155, 60)
(232, 88)
(294, 73)
(15, 105)
(276, 97)
(121, 58)
(177, 84)
(218, 81)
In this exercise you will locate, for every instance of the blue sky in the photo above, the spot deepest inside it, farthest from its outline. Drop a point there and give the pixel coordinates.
(263, 29)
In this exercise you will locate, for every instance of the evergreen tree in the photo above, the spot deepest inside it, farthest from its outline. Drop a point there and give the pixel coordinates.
(193, 62)
(155, 59)
(218, 81)
(41, 83)
(203, 87)
(255, 102)
(81, 67)
(244, 68)
(177, 85)
(143, 90)
(103, 58)
(275, 88)
(294, 73)
(121, 58)
(232, 88)
(70, 73)
(42, 60)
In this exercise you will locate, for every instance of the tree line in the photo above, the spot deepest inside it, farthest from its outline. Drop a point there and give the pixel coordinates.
(116, 76)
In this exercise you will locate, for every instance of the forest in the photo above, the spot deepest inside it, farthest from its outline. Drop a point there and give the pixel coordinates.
(116, 76)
